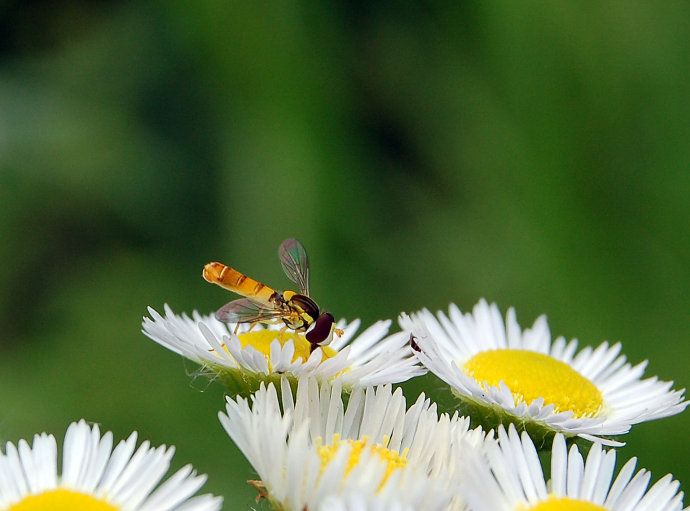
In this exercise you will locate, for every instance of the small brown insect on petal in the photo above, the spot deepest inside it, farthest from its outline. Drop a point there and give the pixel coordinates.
(260, 487)
(413, 344)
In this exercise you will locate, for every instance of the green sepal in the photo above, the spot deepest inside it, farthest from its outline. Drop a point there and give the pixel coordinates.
(244, 383)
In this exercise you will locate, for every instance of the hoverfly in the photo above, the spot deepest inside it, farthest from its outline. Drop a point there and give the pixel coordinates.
(261, 304)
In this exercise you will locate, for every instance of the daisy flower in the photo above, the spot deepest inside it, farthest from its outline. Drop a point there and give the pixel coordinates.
(374, 450)
(244, 359)
(96, 477)
(504, 374)
(510, 478)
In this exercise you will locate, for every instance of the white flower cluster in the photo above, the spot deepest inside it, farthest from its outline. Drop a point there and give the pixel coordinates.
(321, 435)
(324, 428)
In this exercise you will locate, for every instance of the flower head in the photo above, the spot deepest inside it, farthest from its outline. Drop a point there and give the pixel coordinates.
(244, 357)
(505, 374)
(96, 477)
(510, 477)
(375, 450)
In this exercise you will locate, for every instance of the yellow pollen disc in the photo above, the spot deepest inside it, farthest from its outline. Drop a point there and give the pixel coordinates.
(61, 500)
(563, 504)
(261, 341)
(530, 375)
(392, 459)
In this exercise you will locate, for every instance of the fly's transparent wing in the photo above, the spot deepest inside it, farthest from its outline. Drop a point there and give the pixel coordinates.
(245, 310)
(295, 263)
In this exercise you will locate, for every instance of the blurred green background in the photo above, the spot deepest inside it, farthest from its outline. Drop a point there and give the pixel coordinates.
(536, 154)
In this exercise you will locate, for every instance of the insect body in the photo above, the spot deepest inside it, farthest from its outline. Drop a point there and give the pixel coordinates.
(413, 344)
(262, 304)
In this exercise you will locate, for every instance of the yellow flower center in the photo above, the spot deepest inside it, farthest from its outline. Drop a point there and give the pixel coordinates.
(261, 341)
(61, 500)
(563, 504)
(530, 375)
(391, 458)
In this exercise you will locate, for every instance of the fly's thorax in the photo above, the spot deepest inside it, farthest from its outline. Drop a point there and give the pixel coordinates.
(304, 307)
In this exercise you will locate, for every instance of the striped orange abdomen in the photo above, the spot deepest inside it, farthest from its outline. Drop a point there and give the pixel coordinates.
(237, 282)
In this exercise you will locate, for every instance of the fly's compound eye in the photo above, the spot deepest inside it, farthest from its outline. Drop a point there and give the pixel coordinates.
(321, 332)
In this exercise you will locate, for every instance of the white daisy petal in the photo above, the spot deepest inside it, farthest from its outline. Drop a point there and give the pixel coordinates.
(93, 475)
(242, 358)
(489, 482)
(542, 384)
(372, 452)
(362, 502)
